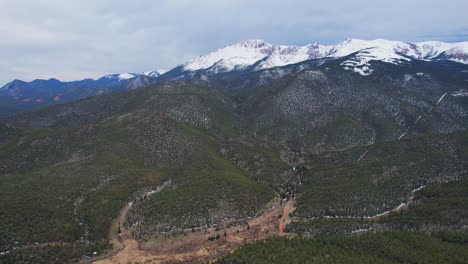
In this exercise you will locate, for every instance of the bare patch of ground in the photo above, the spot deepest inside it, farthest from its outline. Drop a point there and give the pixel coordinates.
(286, 218)
(195, 247)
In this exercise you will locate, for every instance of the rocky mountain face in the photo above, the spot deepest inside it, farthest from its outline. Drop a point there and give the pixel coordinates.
(258, 55)
(320, 105)
(329, 107)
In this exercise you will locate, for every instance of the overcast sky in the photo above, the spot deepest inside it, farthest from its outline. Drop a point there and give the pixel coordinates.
(71, 40)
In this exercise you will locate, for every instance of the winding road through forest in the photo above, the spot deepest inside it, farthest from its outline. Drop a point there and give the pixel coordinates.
(194, 247)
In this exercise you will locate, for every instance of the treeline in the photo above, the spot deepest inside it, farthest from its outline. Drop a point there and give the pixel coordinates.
(366, 181)
(55, 254)
(386, 247)
(436, 208)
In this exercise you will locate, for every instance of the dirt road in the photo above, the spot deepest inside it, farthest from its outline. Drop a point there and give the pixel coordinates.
(285, 218)
(194, 247)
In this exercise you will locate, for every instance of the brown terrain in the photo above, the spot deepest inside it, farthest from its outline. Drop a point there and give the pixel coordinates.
(194, 247)
(285, 218)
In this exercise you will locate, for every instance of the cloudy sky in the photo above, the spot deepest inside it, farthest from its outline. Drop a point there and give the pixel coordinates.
(89, 38)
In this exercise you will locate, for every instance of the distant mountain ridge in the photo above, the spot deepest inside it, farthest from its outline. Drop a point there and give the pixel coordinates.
(245, 56)
(18, 95)
(105, 80)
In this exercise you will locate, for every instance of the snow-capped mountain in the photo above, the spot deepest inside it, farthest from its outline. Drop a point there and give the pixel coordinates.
(250, 56)
(397, 52)
(247, 53)
(128, 76)
(264, 55)
(121, 76)
(154, 73)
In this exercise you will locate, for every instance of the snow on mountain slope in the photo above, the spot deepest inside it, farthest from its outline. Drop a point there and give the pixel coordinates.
(247, 53)
(284, 55)
(120, 76)
(154, 73)
(128, 76)
(379, 50)
(244, 54)
(397, 52)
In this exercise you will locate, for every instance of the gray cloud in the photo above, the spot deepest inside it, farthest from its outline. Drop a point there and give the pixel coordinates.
(76, 39)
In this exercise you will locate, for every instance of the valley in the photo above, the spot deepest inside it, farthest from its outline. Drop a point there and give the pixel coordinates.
(338, 155)
(194, 245)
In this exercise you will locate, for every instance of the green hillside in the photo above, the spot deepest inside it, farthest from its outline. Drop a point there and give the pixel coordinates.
(388, 247)
(345, 147)
(65, 180)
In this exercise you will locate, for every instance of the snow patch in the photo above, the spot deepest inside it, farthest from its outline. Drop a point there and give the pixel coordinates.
(152, 74)
(417, 119)
(460, 93)
(361, 230)
(402, 135)
(126, 76)
(121, 76)
(441, 98)
(408, 77)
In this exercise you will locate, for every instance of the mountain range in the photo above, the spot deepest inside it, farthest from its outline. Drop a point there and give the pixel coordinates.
(264, 55)
(246, 56)
(18, 96)
(358, 149)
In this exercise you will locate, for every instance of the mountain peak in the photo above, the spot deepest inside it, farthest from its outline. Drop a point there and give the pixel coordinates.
(248, 52)
(153, 73)
(10, 84)
(233, 56)
(253, 43)
(120, 76)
